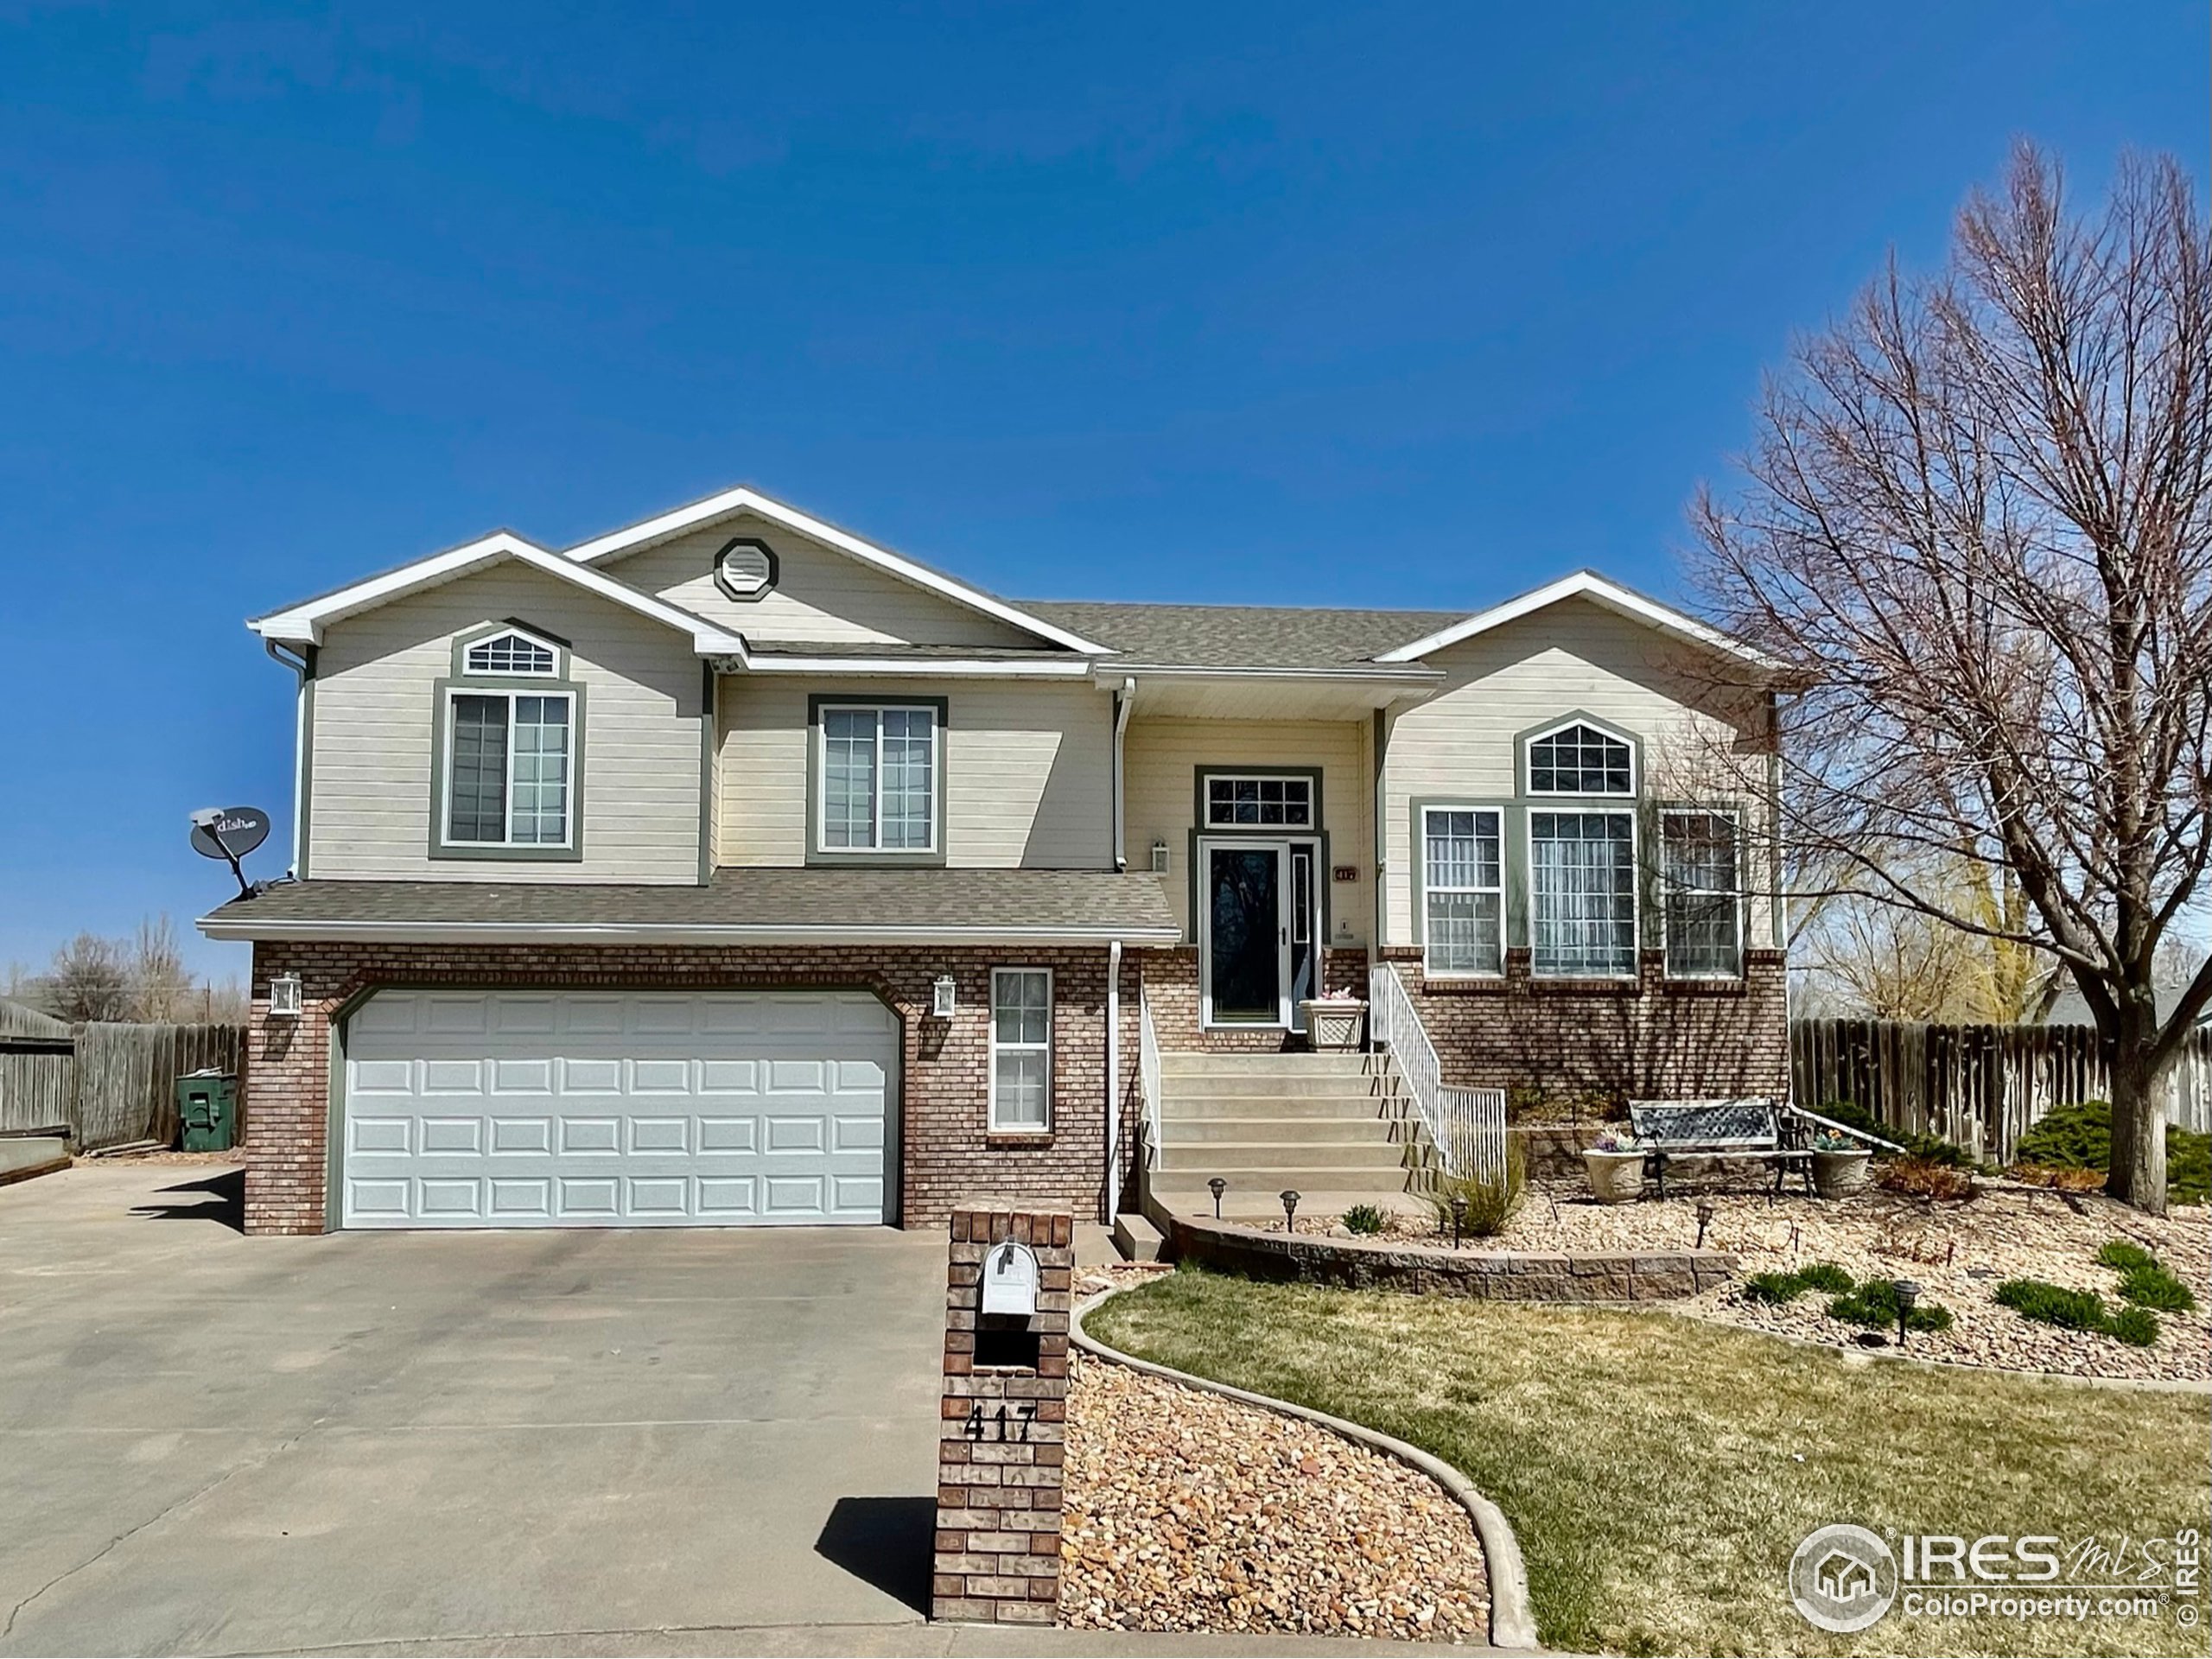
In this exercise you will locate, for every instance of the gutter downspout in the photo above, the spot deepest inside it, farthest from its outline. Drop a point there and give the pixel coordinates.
(1110, 1205)
(1124, 701)
(303, 667)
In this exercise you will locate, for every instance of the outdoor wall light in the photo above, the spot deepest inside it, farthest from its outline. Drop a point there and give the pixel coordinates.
(1459, 1218)
(1703, 1219)
(1908, 1296)
(1290, 1209)
(943, 997)
(1217, 1186)
(284, 996)
(1160, 858)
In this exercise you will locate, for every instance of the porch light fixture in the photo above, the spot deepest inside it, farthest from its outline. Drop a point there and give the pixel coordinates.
(943, 997)
(1160, 858)
(1703, 1219)
(1217, 1186)
(284, 996)
(1289, 1210)
(1908, 1298)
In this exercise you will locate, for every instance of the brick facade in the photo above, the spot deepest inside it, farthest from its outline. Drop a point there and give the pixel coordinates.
(1170, 982)
(945, 1149)
(1650, 1036)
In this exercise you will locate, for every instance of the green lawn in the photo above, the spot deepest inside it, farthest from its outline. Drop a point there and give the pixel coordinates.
(1661, 1471)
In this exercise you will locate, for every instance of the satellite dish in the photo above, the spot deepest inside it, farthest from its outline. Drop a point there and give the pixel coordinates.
(228, 832)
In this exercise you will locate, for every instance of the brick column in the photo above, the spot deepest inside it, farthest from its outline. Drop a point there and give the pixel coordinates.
(1003, 1425)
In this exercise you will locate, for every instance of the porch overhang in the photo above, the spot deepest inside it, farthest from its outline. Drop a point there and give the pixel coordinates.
(1260, 693)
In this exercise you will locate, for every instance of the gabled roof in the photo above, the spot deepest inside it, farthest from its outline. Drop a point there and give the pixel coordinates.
(303, 624)
(1598, 590)
(730, 503)
(1229, 636)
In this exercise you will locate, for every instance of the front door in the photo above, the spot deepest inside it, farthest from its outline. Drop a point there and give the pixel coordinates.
(1245, 953)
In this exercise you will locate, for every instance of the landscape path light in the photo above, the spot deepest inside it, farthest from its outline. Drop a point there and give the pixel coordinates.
(1217, 1186)
(1459, 1217)
(1908, 1298)
(1703, 1219)
(1290, 1209)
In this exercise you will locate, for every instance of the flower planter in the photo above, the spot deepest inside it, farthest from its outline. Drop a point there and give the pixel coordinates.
(1333, 1024)
(1839, 1174)
(1615, 1176)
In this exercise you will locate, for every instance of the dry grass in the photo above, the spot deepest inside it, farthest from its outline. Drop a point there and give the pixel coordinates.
(1660, 1472)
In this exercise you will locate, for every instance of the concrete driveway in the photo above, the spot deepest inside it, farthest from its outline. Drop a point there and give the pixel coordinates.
(210, 1443)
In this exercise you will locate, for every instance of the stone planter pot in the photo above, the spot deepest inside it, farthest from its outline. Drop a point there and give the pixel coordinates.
(1839, 1174)
(1615, 1176)
(1334, 1024)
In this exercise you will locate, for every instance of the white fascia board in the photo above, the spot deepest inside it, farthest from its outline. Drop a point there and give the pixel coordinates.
(1112, 674)
(303, 624)
(743, 499)
(247, 928)
(1588, 584)
(905, 667)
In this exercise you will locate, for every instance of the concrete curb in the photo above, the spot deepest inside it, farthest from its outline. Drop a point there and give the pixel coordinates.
(1511, 1623)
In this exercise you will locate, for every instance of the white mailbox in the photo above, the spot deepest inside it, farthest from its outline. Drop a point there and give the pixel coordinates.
(1010, 1281)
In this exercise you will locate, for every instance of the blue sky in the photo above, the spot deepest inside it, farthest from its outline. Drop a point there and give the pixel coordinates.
(1418, 305)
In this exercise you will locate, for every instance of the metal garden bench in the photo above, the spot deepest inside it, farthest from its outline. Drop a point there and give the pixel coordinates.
(1759, 1130)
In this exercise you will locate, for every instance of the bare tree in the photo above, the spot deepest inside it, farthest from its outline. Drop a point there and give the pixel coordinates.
(1977, 516)
(160, 988)
(90, 980)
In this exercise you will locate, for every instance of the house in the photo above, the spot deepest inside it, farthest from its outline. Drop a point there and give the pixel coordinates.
(731, 869)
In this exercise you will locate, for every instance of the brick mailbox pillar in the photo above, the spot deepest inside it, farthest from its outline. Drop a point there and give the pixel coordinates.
(1004, 1421)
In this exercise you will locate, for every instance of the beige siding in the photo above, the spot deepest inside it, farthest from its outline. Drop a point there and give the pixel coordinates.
(1576, 657)
(375, 699)
(1162, 758)
(821, 594)
(1028, 769)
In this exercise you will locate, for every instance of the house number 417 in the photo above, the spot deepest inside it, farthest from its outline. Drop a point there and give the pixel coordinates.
(1008, 1425)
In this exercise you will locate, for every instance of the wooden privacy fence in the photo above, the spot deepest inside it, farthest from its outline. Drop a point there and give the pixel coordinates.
(110, 1083)
(1979, 1087)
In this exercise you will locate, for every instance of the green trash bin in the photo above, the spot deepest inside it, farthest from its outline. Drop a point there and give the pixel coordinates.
(208, 1102)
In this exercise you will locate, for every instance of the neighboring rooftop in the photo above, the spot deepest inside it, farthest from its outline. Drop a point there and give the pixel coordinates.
(1242, 636)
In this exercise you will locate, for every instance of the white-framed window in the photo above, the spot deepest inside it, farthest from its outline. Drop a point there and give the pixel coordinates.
(1578, 758)
(1258, 802)
(879, 779)
(509, 768)
(1701, 871)
(1582, 894)
(512, 652)
(1021, 1049)
(1462, 890)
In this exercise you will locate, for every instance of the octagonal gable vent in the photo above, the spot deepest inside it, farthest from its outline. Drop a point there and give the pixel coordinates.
(746, 569)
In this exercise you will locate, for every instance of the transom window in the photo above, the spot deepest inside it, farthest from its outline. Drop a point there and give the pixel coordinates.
(508, 771)
(1021, 1049)
(1581, 759)
(510, 653)
(1701, 872)
(1234, 802)
(1582, 894)
(1463, 889)
(879, 779)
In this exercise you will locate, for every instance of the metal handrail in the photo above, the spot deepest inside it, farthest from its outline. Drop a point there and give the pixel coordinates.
(1466, 1126)
(1148, 1077)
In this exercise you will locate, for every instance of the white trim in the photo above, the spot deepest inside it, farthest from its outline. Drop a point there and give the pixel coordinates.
(1428, 969)
(729, 503)
(303, 624)
(1735, 816)
(403, 932)
(1579, 806)
(1588, 584)
(1110, 1198)
(745, 662)
(1422, 676)
(1203, 931)
(1568, 723)
(1125, 705)
(509, 630)
(991, 1124)
(875, 775)
(568, 842)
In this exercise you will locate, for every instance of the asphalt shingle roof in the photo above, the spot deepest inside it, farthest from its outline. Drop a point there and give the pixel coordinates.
(1242, 636)
(893, 899)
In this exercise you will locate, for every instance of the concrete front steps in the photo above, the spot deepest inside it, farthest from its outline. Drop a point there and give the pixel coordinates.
(1333, 1128)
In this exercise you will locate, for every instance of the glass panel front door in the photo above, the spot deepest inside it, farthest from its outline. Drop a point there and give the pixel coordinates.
(1246, 936)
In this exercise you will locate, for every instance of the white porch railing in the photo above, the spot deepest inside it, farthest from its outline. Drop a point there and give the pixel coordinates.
(1148, 1078)
(1467, 1126)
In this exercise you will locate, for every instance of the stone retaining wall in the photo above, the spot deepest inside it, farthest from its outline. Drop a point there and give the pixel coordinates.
(1420, 1269)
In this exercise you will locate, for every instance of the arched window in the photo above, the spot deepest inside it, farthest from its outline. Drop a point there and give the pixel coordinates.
(1579, 759)
(512, 652)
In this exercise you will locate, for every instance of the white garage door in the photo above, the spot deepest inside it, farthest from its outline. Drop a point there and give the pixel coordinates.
(513, 1109)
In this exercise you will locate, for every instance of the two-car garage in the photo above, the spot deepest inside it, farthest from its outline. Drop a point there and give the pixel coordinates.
(609, 1109)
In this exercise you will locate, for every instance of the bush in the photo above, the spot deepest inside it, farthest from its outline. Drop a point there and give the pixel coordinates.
(1874, 1304)
(2080, 1137)
(2057, 1178)
(1492, 1203)
(2050, 1304)
(1928, 1148)
(1823, 1276)
(1919, 1178)
(2137, 1326)
(2151, 1285)
(1363, 1219)
(2126, 1254)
